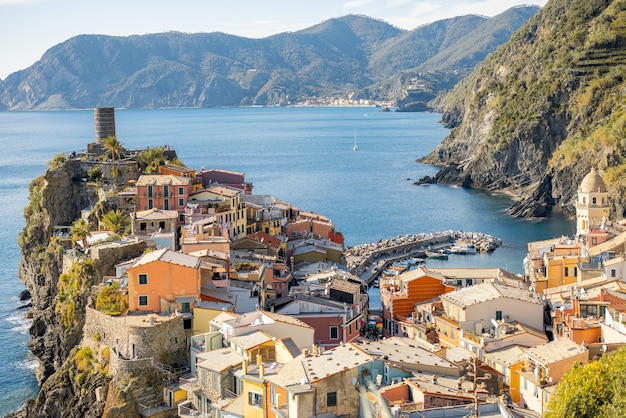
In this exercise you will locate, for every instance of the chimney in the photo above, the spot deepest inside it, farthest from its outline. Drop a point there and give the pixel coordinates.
(244, 367)
(261, 371)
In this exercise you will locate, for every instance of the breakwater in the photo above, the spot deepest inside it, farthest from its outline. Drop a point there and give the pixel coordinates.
(369, 260)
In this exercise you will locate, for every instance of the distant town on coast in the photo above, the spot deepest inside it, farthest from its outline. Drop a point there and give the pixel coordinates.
(184, 293)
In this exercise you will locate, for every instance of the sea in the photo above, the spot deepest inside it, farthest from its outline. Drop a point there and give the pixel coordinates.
(302, 155)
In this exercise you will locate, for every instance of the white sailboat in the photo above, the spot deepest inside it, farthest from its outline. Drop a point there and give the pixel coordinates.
(355, 147)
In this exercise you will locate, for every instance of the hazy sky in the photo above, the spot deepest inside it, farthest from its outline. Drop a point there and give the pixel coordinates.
(30, 27)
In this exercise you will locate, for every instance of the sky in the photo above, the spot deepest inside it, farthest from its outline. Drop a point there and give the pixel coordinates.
(28, 28)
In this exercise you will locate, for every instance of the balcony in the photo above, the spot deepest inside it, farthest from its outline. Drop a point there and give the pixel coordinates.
(189, 382)
(186, 409)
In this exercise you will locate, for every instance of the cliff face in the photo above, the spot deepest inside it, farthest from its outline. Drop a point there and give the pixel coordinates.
(55, 199)
(542, 109)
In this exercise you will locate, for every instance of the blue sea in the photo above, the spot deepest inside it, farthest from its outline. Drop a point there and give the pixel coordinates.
(301, 155)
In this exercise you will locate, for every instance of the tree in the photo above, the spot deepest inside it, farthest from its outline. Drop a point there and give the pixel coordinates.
(115, 221)
(114, 150)
(80, 231)
(151, 159)
(111, 300)
(597, 389)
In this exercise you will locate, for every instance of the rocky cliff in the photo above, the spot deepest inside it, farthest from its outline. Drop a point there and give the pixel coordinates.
(542, 109)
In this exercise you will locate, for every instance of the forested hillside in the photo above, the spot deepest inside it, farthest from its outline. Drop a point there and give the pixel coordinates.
(546, 106)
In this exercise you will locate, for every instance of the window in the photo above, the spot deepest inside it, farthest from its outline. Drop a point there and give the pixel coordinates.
(185, 307)
(150, 204)
(181, 190)
(613, 273)
(166, 204)
(187, 323)
(181, 217)
(594, 241)
(143, 279)
(499, 315)
(331, 399)
(181, 202)
(162, 225)
(142, 226)
(255, 399)
(273, 397)
(143, 300)
(166, 191)
(334, 333)
(149, 191)
(593, 201)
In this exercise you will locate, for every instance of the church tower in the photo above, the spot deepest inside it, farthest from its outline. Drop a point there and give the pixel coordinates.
(592, 207)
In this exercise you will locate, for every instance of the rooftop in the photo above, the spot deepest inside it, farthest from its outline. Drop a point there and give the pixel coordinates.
(483, 292)
(219, 360)
(168, 256)
(162, 180)
(554, 351)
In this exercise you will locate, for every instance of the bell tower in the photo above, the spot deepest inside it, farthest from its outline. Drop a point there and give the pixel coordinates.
(592, 205)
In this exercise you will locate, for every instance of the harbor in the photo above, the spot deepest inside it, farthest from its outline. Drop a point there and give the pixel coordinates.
(391, 256)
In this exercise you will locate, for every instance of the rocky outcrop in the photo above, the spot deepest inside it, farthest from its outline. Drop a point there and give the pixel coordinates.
(55, 199)
(540, 111)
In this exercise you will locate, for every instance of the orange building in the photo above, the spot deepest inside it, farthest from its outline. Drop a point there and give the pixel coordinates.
(399, 295)
(164, 281)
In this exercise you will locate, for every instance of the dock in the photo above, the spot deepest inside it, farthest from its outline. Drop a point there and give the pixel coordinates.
(369, 260)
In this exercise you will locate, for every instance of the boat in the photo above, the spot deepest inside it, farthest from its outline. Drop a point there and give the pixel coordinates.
(463, 249)
(355, 147)
(437, 255)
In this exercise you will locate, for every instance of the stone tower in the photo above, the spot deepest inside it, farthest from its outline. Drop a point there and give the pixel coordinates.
(592, 205)
(104, 121)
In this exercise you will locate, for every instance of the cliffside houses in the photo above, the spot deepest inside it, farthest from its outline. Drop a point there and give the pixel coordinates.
(244, 302)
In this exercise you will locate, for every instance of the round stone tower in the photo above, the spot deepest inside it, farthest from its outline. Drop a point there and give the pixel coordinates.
(104, 120)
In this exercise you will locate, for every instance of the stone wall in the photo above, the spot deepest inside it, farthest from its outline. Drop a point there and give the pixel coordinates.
(107, 255)
(137, 336)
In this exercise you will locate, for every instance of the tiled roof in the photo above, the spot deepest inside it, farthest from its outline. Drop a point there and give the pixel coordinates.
(288, 319)
(162, 180)
(155, 213)
(483, 292)
(554, 351)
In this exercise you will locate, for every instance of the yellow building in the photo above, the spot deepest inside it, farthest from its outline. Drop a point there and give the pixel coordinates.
(225, 204)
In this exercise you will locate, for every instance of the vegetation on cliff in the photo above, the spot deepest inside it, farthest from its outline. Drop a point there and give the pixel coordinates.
(536, 114)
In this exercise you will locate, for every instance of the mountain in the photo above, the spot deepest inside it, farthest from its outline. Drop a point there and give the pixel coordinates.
(535, 115)
(350, 55)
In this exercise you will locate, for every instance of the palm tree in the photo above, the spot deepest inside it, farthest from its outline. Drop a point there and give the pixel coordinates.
(80, 232)
(114, 150)
(151, 158)
(115, 221)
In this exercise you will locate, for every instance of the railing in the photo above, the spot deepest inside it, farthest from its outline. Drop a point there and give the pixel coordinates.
(185, 411)
(148, 411)
(177, 371)
(189, 382)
